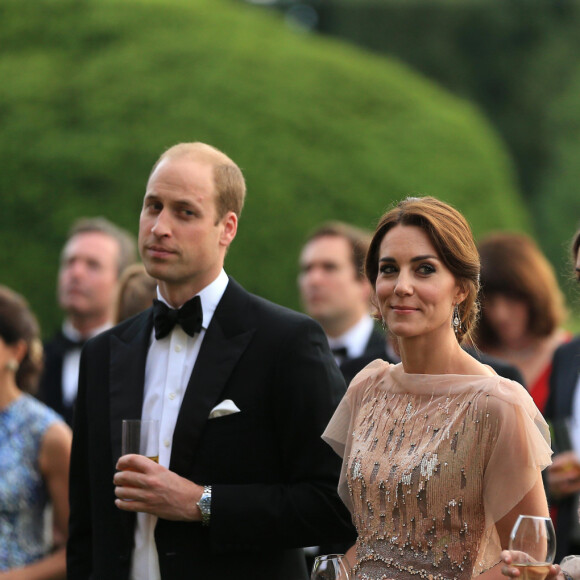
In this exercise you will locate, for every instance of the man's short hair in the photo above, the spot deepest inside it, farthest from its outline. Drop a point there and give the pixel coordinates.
(101, 225)
(358, 239)
(228, 178)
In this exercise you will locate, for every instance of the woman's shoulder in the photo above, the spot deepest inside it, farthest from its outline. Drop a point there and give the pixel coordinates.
(507, 399)
(375, 375)
(504, 390)
(34, 414)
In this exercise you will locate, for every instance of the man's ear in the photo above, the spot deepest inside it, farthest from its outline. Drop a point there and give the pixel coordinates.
(229, 228)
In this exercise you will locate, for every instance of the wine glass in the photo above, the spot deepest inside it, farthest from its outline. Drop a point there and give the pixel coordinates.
(533, 543)
(329, 567)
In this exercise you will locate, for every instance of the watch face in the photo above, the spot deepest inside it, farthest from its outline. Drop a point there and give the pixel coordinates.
(205, 502)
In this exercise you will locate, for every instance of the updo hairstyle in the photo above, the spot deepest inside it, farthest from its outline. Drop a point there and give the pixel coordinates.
(451, 236)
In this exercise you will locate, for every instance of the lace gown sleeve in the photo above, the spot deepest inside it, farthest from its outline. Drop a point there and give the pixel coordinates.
(338, 433)
(521, 449)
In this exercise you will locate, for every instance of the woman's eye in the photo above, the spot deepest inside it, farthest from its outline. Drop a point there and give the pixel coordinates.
(387, 269)
(426, 269)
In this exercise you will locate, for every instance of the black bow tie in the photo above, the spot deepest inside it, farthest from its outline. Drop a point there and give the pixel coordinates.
(339, 352)
(70, 344)
(189, 317)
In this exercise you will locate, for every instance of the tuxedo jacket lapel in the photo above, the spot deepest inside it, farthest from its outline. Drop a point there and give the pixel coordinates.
(225, 341)
(127, 375)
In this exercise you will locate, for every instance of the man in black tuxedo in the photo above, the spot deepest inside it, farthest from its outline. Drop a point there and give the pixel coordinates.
(335, 291)
(562, 477)
(93, 257)
(242, 388)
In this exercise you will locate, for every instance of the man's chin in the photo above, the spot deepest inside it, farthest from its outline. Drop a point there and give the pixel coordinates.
(74, 306)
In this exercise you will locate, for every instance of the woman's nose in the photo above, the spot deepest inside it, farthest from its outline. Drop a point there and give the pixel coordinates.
(403, 286)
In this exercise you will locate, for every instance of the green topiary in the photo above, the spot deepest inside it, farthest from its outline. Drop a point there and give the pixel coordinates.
(92, 92)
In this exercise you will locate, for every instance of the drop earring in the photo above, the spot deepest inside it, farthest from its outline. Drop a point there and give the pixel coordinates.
(455, 320)
(12, 365)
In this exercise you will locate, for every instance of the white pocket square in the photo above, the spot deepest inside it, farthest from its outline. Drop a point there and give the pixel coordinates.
(227, 407)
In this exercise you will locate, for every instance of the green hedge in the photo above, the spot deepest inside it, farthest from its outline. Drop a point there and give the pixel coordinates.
(517, 59)
(558, 206)
(93, 91)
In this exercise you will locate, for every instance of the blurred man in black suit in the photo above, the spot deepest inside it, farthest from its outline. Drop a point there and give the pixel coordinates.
(94, 255)
(335, 291)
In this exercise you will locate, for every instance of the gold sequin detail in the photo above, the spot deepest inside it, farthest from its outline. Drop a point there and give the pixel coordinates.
(415, 476)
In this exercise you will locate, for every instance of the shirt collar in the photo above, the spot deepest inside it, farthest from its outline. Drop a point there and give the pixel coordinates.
(73, 334)
(355, 338)
(210, 297)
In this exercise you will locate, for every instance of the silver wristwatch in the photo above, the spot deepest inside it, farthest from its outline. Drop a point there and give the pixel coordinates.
(204, 505)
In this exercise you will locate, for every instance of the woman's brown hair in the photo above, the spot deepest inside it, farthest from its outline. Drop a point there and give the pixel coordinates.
(451, 236)
(513, 265)
(18, 323)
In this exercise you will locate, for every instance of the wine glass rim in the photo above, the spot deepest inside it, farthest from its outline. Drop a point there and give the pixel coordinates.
(328, 556)
(543, 518)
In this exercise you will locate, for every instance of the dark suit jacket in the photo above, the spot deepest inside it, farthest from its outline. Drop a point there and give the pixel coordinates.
(376, 344)
(274, 480)
(559, 407)
(50, 386)
(374, 349)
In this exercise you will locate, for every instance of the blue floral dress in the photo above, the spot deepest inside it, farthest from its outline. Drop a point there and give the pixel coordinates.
(23, 494)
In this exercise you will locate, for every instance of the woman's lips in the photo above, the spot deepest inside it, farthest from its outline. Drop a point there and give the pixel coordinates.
(404, 309)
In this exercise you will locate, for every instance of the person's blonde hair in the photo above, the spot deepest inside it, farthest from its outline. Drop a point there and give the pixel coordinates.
(451, 236)
(135, 293)
(228, 178)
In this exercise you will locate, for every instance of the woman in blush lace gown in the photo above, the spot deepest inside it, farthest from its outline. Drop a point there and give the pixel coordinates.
(34, 454)
(440, 454)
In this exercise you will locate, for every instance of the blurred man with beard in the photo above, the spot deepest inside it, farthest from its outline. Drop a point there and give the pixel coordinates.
(94, 255)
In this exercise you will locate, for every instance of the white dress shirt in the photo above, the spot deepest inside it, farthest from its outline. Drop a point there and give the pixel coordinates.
(574, 425)
(355, 339)
(170, 362)
(72, 359)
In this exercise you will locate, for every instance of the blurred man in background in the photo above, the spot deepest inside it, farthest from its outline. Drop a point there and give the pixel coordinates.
(335, 292)
(94, 255)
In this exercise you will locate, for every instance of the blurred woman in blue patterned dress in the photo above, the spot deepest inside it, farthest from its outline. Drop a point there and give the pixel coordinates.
(34, 453)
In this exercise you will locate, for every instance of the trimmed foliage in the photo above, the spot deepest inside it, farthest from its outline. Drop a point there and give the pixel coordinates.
(517, 60)
(92, 92)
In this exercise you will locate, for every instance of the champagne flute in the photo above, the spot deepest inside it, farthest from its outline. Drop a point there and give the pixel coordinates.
(533, 543)
(330, 567)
